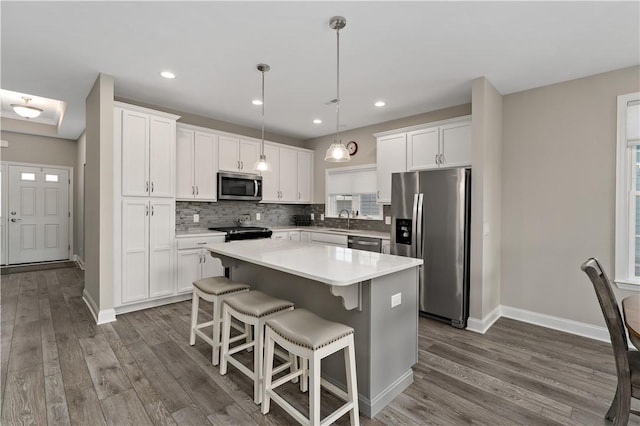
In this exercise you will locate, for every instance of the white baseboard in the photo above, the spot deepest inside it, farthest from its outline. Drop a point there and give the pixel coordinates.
(557, 323)
(482, 325)
(101, 317)
(79, 261)
(146, 304)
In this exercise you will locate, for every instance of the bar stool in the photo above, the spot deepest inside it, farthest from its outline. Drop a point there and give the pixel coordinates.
(212, 289)
(252, 308)
(306, 335)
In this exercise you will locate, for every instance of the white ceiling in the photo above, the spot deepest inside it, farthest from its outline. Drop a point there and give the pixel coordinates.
(417, 56)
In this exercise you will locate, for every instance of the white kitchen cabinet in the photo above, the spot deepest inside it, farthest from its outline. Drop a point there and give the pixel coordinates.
(386, 247)
(305, 236)
(294, 235)
(148, 152)
(305, 171)
(280, 235)
(455, 144)
(195, 262)
(329, 239)
(196, 165)
(271, 179)
(148, 231)
(391, 154)
(423, 149)
(237, 155)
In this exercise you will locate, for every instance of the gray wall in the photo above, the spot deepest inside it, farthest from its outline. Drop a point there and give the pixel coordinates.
(211, 123)
(81, 154)
(99, 196)
(484, 294)
(367, 143)
(558, 192)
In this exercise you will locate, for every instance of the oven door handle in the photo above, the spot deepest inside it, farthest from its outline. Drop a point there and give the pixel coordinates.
(255, 186)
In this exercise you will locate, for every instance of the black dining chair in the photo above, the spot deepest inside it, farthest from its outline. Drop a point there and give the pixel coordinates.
(627, 362)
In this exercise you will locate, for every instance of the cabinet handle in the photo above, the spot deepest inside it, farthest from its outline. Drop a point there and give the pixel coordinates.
(146, 210)
(147, 190)
(151, 210)
(201, 244)
(437, 162)
(242, 165)
(378, 194)
(299, 196)
(197, 190)
(200, 258)
(193, 190)
(238, 164)
(441, 158)
(151, 186)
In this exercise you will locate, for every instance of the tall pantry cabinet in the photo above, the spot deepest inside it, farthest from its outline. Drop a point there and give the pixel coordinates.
(144, 159)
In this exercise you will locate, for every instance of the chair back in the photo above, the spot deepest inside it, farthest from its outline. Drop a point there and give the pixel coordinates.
(612, 317)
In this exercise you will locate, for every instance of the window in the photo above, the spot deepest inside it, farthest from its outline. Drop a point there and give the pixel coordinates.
(627, 237)
(50, 178)
(30, 177)
(352, 189)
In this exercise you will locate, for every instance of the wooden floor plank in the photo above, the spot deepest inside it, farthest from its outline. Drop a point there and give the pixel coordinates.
(231, 415)
(125, 409)
(10, 288)
(26, 346)
(104, 368)
(27, 309)
(191, 415)
(84, 407)
(56, 398)
(159, 414)
(23, 400)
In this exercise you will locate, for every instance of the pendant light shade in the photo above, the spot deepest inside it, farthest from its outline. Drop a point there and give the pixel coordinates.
(337, 152)
(262, 165)
(26, 110)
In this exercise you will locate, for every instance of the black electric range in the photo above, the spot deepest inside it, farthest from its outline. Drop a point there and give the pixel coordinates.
(234, 233)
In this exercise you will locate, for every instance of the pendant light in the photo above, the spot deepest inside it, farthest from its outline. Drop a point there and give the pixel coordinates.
(261, 165)
(337, 152)
(26, 110)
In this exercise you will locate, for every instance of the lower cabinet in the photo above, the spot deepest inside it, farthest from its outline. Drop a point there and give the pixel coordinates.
(148, 232)
(305, 236)
(195, 262)
(329, 239)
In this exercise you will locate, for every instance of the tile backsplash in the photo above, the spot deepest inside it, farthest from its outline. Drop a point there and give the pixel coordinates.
(226, 213)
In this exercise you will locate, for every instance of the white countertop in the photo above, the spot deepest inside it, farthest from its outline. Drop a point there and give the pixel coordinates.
(335, 231)
(332, 265)
(199, 232)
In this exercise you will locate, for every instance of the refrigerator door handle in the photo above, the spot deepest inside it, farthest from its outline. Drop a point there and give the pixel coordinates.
(419, 227)
(414, 226)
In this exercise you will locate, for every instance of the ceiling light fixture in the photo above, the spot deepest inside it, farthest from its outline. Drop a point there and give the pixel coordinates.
(168, 74)
(380, 103)
(337, 152)
(317, 121)
(256, 102)
(26, 110)
(261, 165)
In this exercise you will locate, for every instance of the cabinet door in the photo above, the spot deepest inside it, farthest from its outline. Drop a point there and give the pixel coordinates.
(271, 179)
(228, 151)
(189, 267)
(249, 154)
(386, 247)
(456, 144)
(135, 250)
(422, 149)
(185, 187)
(161, 237)
(211, 266)
(391, 157)
(305, 236)
(206, 166)
(305, 171)
(288, 175)
(284, 235)
(162, 148)
(294, 235)
(135, 154)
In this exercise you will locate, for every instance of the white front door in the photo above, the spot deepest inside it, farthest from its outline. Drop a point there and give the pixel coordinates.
(38, 214)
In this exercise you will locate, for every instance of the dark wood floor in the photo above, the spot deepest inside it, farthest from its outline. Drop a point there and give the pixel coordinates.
(58, 367)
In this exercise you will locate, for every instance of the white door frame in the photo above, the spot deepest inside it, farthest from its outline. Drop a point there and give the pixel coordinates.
(5, 206)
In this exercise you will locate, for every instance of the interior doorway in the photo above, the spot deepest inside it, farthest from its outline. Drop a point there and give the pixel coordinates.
(36, 213)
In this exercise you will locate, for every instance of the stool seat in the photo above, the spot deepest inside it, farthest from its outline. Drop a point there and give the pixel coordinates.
(257, 304)
(219, 285)
(308, 330)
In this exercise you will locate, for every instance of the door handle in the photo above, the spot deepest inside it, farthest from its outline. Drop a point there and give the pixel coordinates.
(15, 219)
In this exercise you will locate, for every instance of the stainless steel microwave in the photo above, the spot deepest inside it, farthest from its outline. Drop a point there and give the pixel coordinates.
(239, 186)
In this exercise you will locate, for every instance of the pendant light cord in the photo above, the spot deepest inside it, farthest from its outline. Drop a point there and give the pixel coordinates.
(338, 87)
(262, 146)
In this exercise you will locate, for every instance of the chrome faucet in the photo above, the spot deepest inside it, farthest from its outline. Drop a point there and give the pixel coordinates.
(348, 216)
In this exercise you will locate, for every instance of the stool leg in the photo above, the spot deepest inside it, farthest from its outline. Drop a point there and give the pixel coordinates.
(258, 355)
(352, 381)
(268, 370)
(247, 330)
(226, 332)
(304, 379)
(314, 390)
(194, 317)
(215, 350)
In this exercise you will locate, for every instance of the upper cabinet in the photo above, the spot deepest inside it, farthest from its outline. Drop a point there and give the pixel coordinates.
(147, 139)
(237, 155)
(391, 157)
(433, 145)
(197, 164)
(289, 180)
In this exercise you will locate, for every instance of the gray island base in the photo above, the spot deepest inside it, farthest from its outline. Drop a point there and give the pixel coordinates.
(386, 337)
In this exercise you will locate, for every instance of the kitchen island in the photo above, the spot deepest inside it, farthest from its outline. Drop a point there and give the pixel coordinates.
(376, 294)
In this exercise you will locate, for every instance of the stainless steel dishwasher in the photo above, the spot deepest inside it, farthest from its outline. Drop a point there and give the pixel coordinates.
(365, 243)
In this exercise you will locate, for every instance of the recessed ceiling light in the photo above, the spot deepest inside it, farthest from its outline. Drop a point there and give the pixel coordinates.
(380, 103)
(167, 74)
(317, 121)
(256, 102)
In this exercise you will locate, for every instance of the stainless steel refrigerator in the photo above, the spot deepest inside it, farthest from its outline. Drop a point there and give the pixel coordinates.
(431, 217)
